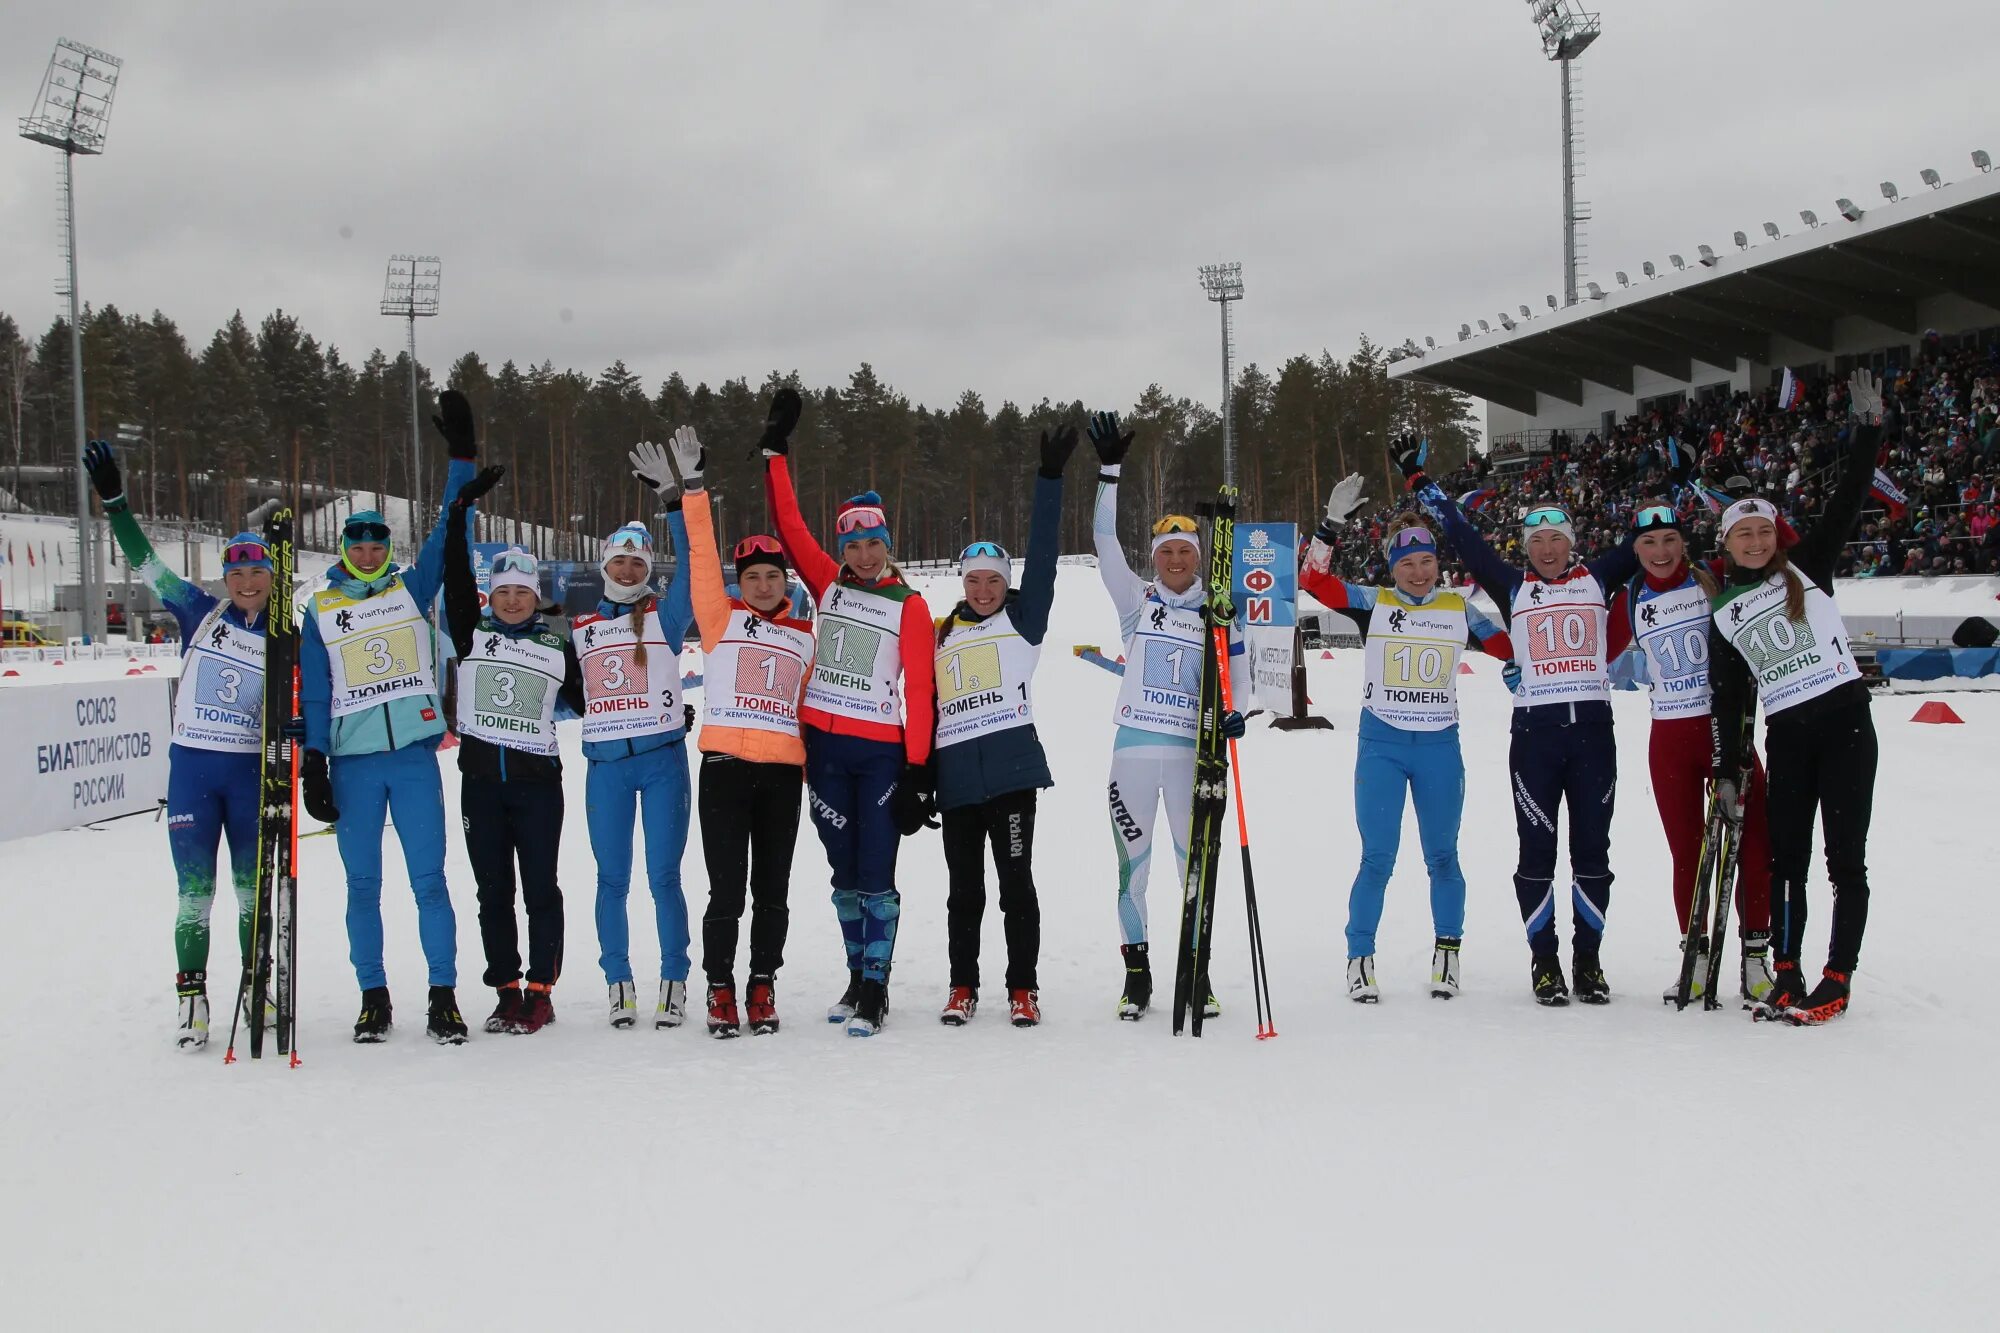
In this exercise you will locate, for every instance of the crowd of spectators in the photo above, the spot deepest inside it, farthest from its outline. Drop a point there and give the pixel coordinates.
(1945, 461)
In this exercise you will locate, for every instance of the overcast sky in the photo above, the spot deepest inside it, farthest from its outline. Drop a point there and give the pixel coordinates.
(1008, 197)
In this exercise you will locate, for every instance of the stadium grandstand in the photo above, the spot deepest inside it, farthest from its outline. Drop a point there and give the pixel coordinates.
(1740, 358)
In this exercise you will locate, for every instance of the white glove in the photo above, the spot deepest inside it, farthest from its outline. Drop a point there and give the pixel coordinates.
(1727, 802)
(1346, 498)
(689, 457)
(1319, 557)
(649, 464)
(1864, 395)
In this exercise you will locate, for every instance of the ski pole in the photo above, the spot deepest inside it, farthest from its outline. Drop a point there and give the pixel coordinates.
(291, 996)
(1260, 981)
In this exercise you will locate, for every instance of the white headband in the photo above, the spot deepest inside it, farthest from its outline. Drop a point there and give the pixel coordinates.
(1742, 509)
(1162, 538)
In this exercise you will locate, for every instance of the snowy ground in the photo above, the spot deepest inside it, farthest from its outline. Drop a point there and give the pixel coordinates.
(1478, 1164)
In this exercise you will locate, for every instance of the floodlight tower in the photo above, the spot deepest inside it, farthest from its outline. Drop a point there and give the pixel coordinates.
(1567, 32)
(1224, 283)
(411, 292)
(72, 115)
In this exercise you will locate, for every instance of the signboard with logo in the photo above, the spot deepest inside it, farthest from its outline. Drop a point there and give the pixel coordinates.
(82, 753)
(1265, 568)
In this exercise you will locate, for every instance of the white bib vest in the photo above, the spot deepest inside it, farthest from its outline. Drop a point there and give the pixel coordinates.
(985, 679)
(752, 677)
(1671, 628)
(857, 668)
(1412, 664)
(1162, 687)
(1792, 662)
(379, 648)
(1558, 631)
(623, 697)
(507, 689)
(221, 699)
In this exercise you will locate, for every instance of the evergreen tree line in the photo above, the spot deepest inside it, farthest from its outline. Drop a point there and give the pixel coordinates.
(269, 411)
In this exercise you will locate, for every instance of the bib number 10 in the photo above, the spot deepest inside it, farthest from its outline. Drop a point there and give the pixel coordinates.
(1569, 632)
(1413, 666)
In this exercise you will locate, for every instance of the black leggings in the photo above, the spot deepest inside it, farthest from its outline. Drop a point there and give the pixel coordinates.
(505, 822)
(1824, 764)
(749, 825)
(1009, 822)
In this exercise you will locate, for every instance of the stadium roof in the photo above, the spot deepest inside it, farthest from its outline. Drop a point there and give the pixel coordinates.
(1878, 264)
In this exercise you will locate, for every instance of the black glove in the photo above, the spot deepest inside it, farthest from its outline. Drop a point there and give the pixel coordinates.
(914, 805)
(1408, 456)
(102, 465)
(1056, 450)
(1104, 437)
(317, 789)
(785, 408)
(488, 478)
(454, 422)
(688, 711)
(1233, 725)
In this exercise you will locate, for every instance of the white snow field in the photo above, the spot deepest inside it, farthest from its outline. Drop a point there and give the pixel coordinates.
(1474, 1164)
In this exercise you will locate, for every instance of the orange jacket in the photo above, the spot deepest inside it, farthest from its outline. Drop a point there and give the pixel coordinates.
(712, 608)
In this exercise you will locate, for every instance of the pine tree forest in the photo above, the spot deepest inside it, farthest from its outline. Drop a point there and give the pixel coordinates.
(269, 402)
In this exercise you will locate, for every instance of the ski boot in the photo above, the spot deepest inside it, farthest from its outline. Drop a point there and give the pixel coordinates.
(1788, 989)
(538, 1010)
(1024, 1007)
(959, 1007)
(1697, 983)
(1361, 987)
(723, 1021)
(672, 1011)
(624, 1004)
(270, 1000)
(1827, 1002)
(763, 1005)
(1210, 1006)
(843, 1009)
(1550, 988)
(376, 1016)
(1757, 978)
(871, 1009)
(1444, 968)
(507, 1012)
(1138, 996)
(191, 1034)
(1591, 987)
(445, 1025)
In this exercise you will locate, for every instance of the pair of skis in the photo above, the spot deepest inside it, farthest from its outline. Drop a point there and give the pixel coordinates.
(274, 952)
(1215, 763)
(1715, 879)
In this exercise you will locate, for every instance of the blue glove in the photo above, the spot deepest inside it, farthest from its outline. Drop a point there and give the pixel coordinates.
(1233, 725)
(1511, 673)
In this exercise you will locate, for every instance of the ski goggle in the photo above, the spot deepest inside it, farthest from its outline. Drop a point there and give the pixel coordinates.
(628, 541)
(1409, 537)
(1175, 524)
(860, 519)
(760, 544)
(984, 550)
(247, 553)
(1655, 516)
(365, 532)
(1547, 517)
(515, 562)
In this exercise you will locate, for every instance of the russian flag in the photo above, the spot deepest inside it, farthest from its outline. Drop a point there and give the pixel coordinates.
(1887, 492)
(1791, 391)
(1475, 499)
